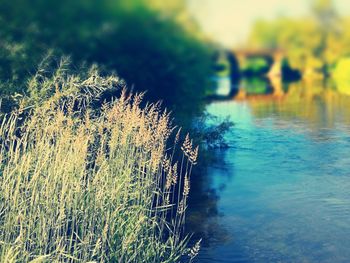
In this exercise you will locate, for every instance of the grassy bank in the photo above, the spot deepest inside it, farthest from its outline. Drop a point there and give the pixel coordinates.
(79, 184)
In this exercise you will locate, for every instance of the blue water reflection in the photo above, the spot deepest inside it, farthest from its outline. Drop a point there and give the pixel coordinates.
(283, 187)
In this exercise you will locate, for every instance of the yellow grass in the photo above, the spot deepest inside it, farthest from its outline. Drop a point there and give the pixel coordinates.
(79, 185)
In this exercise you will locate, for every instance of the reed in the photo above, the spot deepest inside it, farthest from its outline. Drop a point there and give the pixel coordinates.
(80, 185)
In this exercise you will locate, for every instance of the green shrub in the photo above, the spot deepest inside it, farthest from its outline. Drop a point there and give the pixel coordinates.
(146, 46)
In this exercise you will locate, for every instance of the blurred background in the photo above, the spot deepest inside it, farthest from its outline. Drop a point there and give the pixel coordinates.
(176, 49)
(279, 70)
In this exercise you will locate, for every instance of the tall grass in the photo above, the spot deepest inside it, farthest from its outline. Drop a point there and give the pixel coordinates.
(80, 185)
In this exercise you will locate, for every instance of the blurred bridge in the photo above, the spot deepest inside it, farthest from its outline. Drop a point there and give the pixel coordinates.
(238, 92)
(274, 57)
(237, 58)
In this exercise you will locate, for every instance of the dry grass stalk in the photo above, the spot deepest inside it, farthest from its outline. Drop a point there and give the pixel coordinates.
(77, 186)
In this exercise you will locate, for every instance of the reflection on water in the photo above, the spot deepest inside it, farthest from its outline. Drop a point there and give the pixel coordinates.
(280, 193)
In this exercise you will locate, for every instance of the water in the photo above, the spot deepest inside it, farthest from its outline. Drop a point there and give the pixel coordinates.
(281, 192)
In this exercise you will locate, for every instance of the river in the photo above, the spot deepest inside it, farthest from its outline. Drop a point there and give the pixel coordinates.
(281, 191)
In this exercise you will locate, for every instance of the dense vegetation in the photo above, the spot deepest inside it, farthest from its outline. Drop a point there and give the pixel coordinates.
(88, 172)
(153, 48)
(79, 184)
(313, 45)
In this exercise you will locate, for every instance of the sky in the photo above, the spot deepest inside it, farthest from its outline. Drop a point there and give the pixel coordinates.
(229, 21)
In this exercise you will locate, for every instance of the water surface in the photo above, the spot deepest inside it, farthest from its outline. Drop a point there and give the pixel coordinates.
(281, 192)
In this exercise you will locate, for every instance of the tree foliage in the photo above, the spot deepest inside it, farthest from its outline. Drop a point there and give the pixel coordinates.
(314, 44)
(152, 45)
